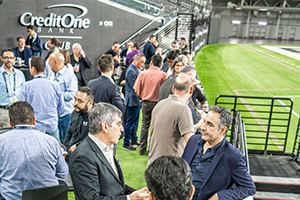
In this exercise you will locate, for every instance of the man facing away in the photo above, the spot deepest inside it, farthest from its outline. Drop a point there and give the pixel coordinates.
(67, 82)
(79, 124)
(169, 178)
(21, 51)
(146, 88)
(149, 50)
(34, 42)
(214, 160)
(95, 172)
(44, 96)
(80, 63)
(104, 87)
(29, 159)
(133, 104)
(171, 122)
(11, 80)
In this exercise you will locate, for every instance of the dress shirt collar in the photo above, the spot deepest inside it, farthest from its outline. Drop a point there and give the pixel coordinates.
(2, 69)
(39, 76)
(103, 147)
(61, 71)
(215, 148)
(24, 126)
(154, 68)
(108, 78)
(135, 68)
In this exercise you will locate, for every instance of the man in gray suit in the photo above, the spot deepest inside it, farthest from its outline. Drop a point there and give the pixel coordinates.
(94, 170)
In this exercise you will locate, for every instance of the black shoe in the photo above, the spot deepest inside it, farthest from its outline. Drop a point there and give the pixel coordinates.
(134, 144)
(143, 153)
(129, 148)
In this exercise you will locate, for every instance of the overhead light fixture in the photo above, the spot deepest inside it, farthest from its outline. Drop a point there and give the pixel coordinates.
(236, 21)
(263, 9)
(239, 8)
(262, 23)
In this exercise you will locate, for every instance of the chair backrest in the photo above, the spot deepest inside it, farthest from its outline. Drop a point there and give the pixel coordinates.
(57, 192)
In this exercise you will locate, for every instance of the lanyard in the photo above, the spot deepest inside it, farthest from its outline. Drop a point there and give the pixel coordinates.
(23, 127)
(14, 88)
(40, 76)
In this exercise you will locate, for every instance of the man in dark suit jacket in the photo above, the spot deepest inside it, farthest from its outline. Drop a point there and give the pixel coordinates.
(216, 165)
(95, 172)
(80, 63)
(34, 42)
(104, 87)
(21, 51)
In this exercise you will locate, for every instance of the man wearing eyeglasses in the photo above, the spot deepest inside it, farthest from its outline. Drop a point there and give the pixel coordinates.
(11, 80)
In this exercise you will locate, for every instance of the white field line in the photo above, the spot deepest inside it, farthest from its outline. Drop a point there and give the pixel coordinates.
(296, 114)
(278, 50)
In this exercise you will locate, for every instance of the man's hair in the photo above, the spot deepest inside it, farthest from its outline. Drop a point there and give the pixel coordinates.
(30, 27)
(136, 45)
(183, 86)
(5, 50)
(75, 45)
(19, 37)
(225, 116)
(88, 91)
(156, 60)
(185, 53)
(38, 63)
(55, 41)
(66, 55)
(21, 112)
(100, 113)
(172, 55)
(175, 42)
(187, 68)
(151, 36)
(138, 56)
(105, 62)
(115, 42)
(169, 178)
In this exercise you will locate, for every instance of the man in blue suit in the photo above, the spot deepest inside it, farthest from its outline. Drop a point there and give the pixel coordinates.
(21, 51)
(104, 87)
(34, 42)
(133, 103)
(216, 165)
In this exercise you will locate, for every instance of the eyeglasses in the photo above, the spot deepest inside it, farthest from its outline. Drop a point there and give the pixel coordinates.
(6, 58)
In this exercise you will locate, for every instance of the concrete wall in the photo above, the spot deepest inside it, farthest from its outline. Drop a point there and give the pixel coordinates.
(107, 24)
(289, 27)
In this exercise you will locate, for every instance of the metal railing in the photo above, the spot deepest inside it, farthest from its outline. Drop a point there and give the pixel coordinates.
(296, 148)
(266, 119)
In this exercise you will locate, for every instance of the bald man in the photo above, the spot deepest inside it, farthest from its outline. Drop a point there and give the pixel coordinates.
(67, 82)
(171, 122)
(80, 63)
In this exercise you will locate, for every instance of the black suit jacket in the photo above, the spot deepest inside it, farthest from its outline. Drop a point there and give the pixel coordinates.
(92, 175)
(84, 63)
(108, 92)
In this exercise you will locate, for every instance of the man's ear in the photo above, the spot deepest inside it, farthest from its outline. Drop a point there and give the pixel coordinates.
(10, 123)
(173, 89)
(223, 130)
(90, 104)
(151, 197)
(33, 121)
(104, 127)
(192, 192)
(112, 68)
(191, 90)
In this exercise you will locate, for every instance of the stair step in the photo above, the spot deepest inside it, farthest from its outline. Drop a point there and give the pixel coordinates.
(276, 196)
(277, 184)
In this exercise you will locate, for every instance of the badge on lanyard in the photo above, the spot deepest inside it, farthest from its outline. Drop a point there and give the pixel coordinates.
(13, 99)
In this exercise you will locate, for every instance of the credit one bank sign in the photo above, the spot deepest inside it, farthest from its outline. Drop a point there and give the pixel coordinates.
(57, 21)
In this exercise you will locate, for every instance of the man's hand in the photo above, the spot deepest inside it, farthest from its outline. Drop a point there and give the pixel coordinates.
(28, 46)
(215, 197)
(76, 69)
(66, 157)
(82, 53)
(72, 148)
(140, 194)
(122, 95)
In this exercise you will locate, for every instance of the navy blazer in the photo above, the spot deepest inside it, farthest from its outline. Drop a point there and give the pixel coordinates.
(92, 175)
(27, 54)
(106, 91)
(83, 64)
(130, 77)
(227, 168)
(36, 46)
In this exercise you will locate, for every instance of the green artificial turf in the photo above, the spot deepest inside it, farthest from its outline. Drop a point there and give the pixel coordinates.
(226, 68)
(222, 69)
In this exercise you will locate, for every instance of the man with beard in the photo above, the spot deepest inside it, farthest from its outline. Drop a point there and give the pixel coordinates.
(79, 123)
(11, 80)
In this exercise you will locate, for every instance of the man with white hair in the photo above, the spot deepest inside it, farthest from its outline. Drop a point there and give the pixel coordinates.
(80, 62)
